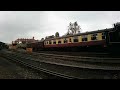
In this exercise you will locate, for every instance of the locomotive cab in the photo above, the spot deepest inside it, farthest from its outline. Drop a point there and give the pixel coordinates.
(114, 36)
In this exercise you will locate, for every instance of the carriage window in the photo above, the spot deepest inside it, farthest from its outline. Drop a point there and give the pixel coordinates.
(59, 42)
(70, 40)
(47, 42)
(84, 38)
(50, 42)
(54, 42)
(65, 41)
(103, 35)
(94, 36)
(75, 39)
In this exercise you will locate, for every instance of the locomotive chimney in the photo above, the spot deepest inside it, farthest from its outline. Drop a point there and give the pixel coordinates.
(33, 38)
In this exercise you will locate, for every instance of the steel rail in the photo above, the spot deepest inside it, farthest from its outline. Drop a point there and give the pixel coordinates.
(77, 58)
(80, 65)
(10, 57)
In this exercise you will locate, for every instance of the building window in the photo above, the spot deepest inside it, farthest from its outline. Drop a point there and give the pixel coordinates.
(84, 38)
(94, 36)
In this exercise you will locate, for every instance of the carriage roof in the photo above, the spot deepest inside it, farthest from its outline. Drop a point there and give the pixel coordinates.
(85, 33)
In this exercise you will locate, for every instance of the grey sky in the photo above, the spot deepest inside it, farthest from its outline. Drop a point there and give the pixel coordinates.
(26, 24)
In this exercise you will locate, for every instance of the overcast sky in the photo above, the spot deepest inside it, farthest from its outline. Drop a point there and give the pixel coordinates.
(26, 24)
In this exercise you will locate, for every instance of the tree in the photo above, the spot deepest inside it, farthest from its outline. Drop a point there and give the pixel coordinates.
(56, 34)
(42, 39)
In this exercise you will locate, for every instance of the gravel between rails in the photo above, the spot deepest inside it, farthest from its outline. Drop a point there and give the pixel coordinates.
(9, 70)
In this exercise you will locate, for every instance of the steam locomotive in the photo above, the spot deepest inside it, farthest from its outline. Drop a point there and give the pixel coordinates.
(100, 40)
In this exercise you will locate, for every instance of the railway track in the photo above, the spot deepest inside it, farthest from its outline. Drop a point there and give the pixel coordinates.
(36, 65)
(76, 61)
(79, 56)
(105, 60)
(89, 54)
(87, 65)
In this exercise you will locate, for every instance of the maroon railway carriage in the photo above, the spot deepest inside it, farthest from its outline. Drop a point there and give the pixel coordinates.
(77, 42)
(36, 46)
(96, 40)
